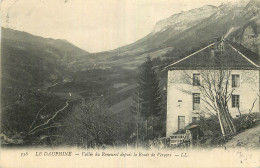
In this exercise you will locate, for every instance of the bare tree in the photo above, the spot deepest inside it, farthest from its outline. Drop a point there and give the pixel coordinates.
(216, 92)
(91, 125)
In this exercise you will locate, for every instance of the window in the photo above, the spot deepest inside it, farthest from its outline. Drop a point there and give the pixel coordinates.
(196, 79)
(235, 101)
(196, 101)
(235, 80)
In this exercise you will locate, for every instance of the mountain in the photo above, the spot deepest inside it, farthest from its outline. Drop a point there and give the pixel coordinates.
(39, 75)
(33, 68)
(187, 31)
(33, 61)
(248, 35)
(184, 20)
(30, 65)
(175, 37)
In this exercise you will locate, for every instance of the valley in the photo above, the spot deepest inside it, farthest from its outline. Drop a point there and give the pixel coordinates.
(41, 72)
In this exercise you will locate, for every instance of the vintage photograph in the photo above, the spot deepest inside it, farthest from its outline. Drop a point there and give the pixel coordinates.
(121, 74)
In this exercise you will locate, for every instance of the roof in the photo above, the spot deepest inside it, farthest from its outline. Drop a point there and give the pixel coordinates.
(233, 56)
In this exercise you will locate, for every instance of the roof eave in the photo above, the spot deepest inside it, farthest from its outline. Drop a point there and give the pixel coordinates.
(212, 68)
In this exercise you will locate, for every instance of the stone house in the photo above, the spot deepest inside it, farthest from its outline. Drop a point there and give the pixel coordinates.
(184, 97)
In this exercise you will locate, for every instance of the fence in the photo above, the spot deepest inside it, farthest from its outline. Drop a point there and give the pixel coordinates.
(179, 139)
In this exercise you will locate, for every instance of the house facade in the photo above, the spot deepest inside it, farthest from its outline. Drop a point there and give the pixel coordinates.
(186, 100)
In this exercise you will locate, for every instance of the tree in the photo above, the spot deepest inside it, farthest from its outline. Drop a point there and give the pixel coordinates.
(30, 113)
(90, 126)
(216, 92)
(147, 97)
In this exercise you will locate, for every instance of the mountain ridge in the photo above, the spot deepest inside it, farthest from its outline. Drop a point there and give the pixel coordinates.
(176, 35)
(176, 38)
(34, 61)
(18, 35)
(175, 19)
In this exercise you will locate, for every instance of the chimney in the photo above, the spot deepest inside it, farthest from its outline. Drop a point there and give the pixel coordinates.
(212, 53)
(217, 41)
(222, 44)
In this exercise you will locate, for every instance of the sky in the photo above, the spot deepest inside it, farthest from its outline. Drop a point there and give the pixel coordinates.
(93, 25)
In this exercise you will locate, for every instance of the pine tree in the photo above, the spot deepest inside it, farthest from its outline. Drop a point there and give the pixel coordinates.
(148, 97)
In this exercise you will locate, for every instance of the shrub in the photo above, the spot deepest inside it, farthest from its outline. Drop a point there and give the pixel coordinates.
(209, 127)
(246, 121)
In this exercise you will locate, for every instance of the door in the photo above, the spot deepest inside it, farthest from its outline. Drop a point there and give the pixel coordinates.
(181, 122)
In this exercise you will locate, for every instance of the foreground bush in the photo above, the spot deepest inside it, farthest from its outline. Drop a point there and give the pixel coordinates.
(246, 121)
(210, 134)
